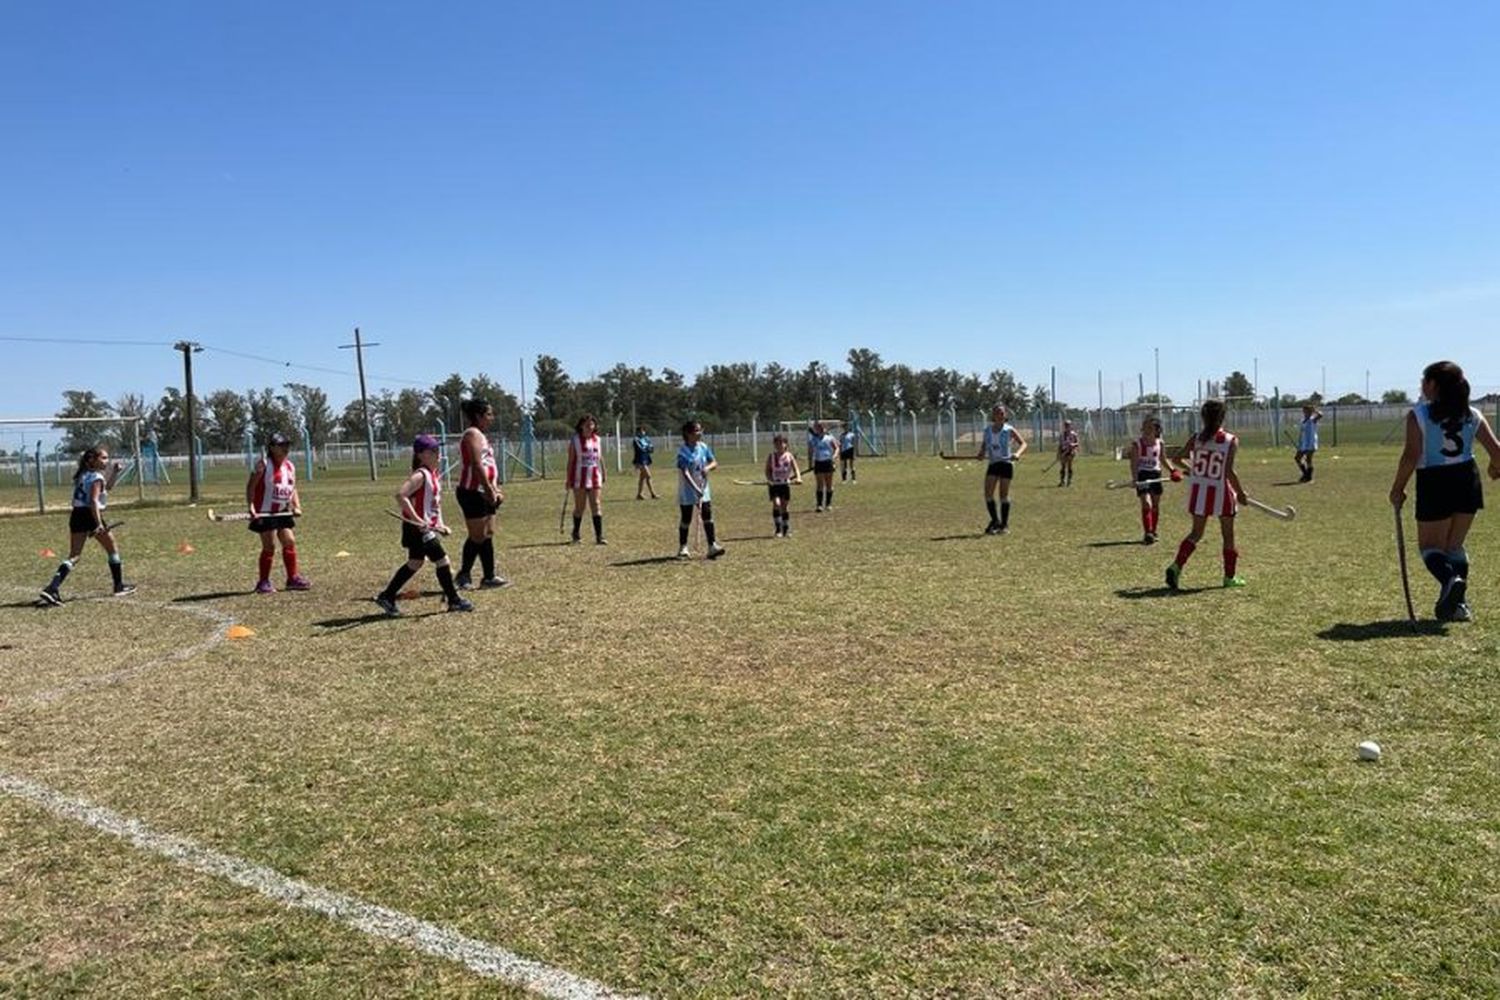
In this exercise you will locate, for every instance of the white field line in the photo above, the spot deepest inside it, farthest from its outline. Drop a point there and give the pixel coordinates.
(377, 921)
(222, 620)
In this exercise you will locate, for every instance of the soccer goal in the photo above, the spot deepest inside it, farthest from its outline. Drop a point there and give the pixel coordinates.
(39, 455)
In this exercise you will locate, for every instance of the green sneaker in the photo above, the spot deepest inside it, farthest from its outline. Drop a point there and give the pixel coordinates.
(1173, 572)
(1234, 581)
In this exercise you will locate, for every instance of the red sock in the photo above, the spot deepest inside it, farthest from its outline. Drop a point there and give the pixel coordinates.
(289, 559)
(1231, 560)
(265, 564)
(1151, 513)
(1155, 518)
(1185, 551)
(1146, 519)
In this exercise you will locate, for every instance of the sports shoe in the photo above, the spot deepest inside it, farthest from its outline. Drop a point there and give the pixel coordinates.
(265, 587)
(388, 605)
(993, 528)
(574, 540)
(817, 510)
(600, 541)
(298, 582)
(1150, 538)
(1450, 598)
(493, 583)
(1174, 572)
(1234, 581)
(1003, 530)
(125, 590)
(463, 581)
(715, 550)
(49, 598)
(683, 553)
(459, 604)
(1463, 613)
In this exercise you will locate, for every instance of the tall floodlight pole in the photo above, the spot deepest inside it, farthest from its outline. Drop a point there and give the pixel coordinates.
(188, 349)
(364, 397)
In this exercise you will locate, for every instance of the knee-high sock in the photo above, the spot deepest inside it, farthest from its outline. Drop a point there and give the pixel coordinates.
(289, 559)
(1459, 559)
(577, 524)
(117, 569)
(1231, 560)
(828, 497)
(471, 552)
(989, 505)
(1185, 551)
(63, 569)
(487, 557)
(445, 580)
(598, 527)
(398, 580)
(1146, 519)
(267, 557)
(1004, 513)
(1438, 564)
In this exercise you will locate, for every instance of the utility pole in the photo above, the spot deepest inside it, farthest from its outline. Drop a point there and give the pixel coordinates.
(1255, 386)
(364, 398)
(1156, 352)
(188, 349)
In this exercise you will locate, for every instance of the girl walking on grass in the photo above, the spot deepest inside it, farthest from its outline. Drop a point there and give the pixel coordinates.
(91, 485)
(1440, 434)
(781, 473)
(1213, 489)
(419, 501)
(271, 494)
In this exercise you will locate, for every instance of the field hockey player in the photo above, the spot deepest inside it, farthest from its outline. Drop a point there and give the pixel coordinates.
(641, 449)
(1213, 489)
(91, 485)
(479, 495)
(420, 503)
(1067, 450)
(1148, 460)
(848, 452)
(1001, 446)
(1440, 434)
(781, 473)
(822, 449)
(586, 475)
(695, 460)
(1307, 441)
(271, 494)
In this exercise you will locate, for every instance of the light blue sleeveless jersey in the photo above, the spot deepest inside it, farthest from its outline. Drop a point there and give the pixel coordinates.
(1441, 446)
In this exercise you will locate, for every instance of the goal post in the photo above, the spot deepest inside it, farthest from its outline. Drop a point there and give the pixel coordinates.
(27, 472)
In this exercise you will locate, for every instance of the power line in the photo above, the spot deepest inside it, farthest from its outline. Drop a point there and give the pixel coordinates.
(94, 343)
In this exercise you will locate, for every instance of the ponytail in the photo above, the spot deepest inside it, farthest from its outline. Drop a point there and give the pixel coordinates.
(1450, 405)
(1213, 412)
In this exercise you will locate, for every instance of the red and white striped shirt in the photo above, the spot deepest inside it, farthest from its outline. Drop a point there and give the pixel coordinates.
(779, 467)
(585, 463)
(428, 500)
(469, 474)
(1209, 492)
(274, 487)
(1148, 455)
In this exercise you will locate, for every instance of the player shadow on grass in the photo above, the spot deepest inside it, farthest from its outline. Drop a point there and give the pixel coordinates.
(540, 545)
(650, 561)
(956, 538)
(1393, 628)
(216, 596)
(346, 622)
(1142, 593)
(1111, 544)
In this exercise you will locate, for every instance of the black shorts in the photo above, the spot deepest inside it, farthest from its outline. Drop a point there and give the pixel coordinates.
(272, 522)
(411, 541)
(1445, 490)
(779, 491)
(642, 461)
(474, 503)
(847, 456)
(1000, 470)
(81, 520)
(1148, 481)
(823, 466)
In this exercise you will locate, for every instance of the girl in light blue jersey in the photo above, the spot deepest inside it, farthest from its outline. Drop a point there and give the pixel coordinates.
(1440, 433)
(822, 450)
(1307, 441)
(695, 460)
(91, 485)
(1001, 447)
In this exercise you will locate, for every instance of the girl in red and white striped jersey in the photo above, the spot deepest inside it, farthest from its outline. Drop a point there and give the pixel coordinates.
(586, 474)
(479, 495)
(1148, 463)
(271, 493)
(1213, 489)
(420, 500)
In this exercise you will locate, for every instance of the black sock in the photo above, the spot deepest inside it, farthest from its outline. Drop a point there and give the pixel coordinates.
(445, 580)
(117, 572)
(598, 527)
(398, 581)
(775, 519)
(820, 496)
(487, 557)
(1004, 513)
(1438, 564)
(708, 531)
(786, 519)
(994, 515)
(471, 550)
(1459, 560)
(63, 569)
(828, 497)
(577, 525)
(682, 533)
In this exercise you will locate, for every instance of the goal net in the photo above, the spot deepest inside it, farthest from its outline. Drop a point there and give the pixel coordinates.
(39, 456)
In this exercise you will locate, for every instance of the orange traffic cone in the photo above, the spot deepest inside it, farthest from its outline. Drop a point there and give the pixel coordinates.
(240, 632)
(48, 554)
(183, 548)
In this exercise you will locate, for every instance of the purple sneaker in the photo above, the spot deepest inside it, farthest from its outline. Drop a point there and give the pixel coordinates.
(298, 582)
(264, 587)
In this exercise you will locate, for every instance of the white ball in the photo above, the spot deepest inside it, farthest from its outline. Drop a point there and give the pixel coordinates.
(1369, 750)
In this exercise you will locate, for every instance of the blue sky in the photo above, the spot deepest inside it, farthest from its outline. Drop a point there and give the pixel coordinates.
(1305, 187)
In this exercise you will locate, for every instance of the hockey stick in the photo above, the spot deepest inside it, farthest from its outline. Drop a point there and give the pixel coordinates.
(1411, 613)
(765, 482)
(1120, 484)
(562, 513)
(249, 515)
(958, 458)
(1284, 515)
(441, 529)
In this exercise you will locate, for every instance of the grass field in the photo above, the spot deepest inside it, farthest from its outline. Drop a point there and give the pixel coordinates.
(886, 757)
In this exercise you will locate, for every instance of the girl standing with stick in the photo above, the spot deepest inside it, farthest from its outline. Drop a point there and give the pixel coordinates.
(420, 501)
(781, 473)
(91, 486)
(479, 495)
(271, 494)
(643, 448)
(1213, 489)
(1002, 447)
(1440, 434)
(695, 460)
(1148, 459)
(586, 475)
(822, 449)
